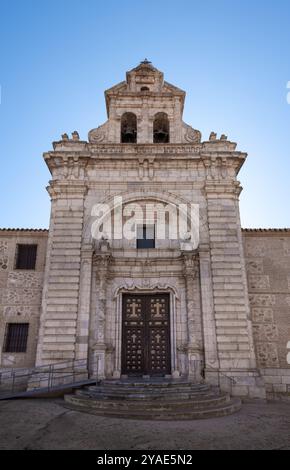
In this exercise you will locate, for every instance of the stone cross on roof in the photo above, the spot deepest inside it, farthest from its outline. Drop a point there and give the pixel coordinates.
(145, 61)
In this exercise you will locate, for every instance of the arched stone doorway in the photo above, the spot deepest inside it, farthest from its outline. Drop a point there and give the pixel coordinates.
(145, 341)
(146, 335)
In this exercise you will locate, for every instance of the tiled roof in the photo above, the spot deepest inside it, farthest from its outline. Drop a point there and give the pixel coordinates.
(23, 230)
(248, 230)
(281, 230)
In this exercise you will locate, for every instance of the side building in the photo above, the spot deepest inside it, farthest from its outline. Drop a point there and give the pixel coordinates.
(22, 263)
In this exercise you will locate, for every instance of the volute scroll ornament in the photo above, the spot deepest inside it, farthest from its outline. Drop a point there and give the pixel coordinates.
(98, 135)
(192, 135)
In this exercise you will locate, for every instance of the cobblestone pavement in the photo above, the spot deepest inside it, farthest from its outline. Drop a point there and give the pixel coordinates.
(47, 424)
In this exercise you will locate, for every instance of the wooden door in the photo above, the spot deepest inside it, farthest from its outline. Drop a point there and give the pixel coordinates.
(146, 335)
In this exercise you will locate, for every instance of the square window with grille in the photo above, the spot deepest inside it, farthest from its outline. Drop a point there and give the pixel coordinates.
(16, 337)
(146, 236)
(26, 256)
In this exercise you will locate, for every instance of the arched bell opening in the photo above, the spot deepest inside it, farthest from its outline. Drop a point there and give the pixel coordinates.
(129, 128)
(161, 129)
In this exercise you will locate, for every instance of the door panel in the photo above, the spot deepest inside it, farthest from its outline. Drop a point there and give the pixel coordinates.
(146, 335)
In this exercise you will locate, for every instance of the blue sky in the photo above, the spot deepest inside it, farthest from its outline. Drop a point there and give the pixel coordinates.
(231, 57)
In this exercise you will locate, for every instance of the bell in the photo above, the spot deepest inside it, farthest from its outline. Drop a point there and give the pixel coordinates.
(129, 132)
(161, 135)
(129, 135)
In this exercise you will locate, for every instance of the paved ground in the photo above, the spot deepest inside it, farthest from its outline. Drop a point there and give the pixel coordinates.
(47, 424)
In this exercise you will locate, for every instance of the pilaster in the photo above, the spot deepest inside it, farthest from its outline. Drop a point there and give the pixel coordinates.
(83, 321)
(211, 359)
(230, 294)
(61, 291)
(101, 260)
(195, 342)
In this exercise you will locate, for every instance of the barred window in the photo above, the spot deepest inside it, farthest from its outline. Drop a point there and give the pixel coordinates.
(26, 256)
(16, 337)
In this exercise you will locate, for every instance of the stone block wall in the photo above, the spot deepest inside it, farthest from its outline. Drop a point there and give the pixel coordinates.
(267, 255)
(20, 292)
(234, 335)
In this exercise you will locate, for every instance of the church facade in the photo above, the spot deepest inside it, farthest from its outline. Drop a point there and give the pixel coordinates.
(145, 270)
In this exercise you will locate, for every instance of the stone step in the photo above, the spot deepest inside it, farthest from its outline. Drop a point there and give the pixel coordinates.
(154, 399)
(177, 388)
(148, 405)
(180, 413)
(169, 395)
(141, 391)
(157, 383)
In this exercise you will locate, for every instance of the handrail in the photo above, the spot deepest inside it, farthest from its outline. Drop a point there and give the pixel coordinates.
(231, 379)
(45, 367)
(54, 375)
(5, 370)
(41, 369)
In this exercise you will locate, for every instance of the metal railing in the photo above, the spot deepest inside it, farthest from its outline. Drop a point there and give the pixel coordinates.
(230, 380)
(48, 377)
(64, 374)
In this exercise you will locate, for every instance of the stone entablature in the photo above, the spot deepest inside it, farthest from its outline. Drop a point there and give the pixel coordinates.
(216, 149)
(122, 164)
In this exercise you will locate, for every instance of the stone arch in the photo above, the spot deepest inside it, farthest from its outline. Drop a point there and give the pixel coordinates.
(145, 287)
(129, 128)
(161, 129)
(126, 197)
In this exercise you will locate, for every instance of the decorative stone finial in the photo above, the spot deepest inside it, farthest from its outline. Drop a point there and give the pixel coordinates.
(75, 135)
(223, 137)
(64, 137)
(212, 136)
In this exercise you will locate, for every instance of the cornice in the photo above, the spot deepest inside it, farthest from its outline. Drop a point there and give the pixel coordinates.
(67, 189)
(203, 149)
(216, 188)
(71, 164)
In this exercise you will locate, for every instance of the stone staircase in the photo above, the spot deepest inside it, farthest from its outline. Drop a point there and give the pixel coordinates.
(153, 400)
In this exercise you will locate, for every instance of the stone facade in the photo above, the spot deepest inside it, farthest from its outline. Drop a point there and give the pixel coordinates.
(267, 255)
(229, 296)
(21, 292)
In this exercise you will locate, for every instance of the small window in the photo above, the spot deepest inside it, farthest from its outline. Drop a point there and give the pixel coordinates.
(145, 88)
(26, 256)
(16, 337)
(145, 236)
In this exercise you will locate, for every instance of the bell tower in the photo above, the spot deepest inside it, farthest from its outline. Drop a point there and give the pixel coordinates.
(144, 109)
